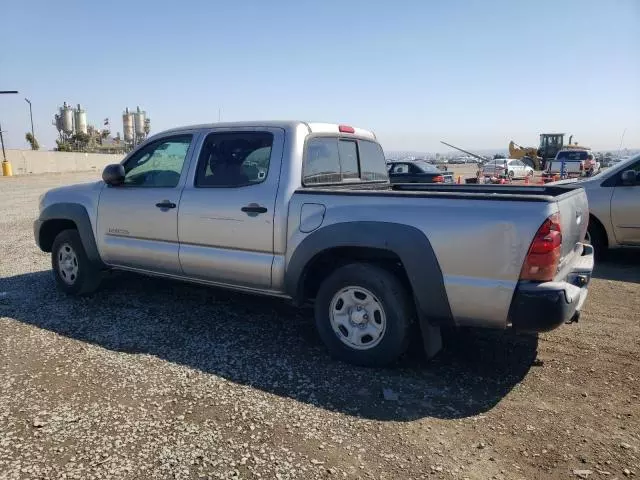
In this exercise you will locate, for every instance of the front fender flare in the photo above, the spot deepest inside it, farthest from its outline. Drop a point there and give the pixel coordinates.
(78, 215)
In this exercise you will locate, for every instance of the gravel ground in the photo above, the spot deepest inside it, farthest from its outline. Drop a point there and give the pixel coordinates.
(153, 379)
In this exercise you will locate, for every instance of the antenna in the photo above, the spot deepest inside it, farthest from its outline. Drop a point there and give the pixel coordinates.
(622, 139)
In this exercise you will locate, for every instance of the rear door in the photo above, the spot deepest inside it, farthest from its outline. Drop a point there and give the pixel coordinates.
(225, 220)
(625, 210)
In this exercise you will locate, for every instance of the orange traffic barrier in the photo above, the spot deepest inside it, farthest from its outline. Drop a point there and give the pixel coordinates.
(459, 179)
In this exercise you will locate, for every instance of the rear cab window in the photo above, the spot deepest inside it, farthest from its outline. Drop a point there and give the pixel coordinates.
(572, 155)
(330, 160)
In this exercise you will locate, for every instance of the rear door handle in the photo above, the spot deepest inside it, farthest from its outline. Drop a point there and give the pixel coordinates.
(166, 204)
(254, 208)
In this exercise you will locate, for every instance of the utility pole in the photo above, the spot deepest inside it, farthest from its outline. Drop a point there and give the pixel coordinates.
(6, 166)
(31, 117)
(4, 155)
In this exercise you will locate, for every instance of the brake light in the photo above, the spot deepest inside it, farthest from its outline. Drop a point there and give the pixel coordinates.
(543, 256)
(346, 129)
(438, 179)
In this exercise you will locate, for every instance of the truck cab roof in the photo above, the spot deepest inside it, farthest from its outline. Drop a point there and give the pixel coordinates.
(312, 127)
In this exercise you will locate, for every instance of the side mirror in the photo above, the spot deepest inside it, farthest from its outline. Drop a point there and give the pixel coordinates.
(628, 178)
(113, 174)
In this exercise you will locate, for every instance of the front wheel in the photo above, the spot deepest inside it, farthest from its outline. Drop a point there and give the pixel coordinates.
(73, 271)
(596, 237)
(363, 314)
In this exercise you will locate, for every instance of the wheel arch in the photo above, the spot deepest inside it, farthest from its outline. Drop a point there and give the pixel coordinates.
(63, 216)
(402, 248)
(600, 225)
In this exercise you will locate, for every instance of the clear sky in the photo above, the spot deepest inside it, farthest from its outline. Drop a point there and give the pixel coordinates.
(475, 73)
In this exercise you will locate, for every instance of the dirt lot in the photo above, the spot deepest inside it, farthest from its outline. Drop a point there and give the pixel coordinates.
(153, 379)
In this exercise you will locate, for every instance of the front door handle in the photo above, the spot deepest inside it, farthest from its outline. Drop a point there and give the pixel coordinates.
(254, 208)
(166, 204)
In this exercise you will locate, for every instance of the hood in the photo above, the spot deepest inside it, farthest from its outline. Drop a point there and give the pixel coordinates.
(85, 194)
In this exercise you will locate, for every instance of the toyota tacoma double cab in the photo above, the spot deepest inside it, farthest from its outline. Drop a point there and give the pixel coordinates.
(306, 212)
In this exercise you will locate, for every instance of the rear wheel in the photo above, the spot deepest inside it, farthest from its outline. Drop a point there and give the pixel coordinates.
(73, 271)
(363, 314)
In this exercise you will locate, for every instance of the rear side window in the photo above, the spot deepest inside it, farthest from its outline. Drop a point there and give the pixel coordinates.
(576, 156)
(330, 160)
(234, 159)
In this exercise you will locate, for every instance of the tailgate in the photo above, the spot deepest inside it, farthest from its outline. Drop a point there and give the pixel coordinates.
(574, 219)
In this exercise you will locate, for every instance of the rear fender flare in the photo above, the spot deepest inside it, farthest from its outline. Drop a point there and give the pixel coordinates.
(408, 243)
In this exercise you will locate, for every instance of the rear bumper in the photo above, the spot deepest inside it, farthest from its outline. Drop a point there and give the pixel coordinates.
(540, 307)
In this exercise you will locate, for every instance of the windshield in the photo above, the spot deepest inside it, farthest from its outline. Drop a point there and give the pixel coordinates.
(572, 155)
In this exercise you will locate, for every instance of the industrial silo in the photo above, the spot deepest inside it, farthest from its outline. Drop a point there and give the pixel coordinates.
(58, 123)
(127, 125)
(138, 122)
(81, 120)
(66, 114)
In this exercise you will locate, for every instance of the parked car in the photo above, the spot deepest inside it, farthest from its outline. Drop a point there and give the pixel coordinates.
(577, 162)
(418, 172)
(506, 167)
(614, 206)
(324, 225)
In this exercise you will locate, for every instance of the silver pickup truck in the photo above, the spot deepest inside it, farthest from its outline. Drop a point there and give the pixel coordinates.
(305, 211)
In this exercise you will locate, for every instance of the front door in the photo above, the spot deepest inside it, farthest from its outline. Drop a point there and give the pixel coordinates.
(625, 210)
(226, 214)
(138, 221)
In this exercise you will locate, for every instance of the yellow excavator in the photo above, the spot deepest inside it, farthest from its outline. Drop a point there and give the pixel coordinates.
(550, 145)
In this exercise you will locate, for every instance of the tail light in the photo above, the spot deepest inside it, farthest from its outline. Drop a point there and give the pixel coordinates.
(346, 129)
(438, 179)
(543, 256)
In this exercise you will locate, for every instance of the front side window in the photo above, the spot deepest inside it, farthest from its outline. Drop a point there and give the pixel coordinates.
(234, 159)
(158, 164)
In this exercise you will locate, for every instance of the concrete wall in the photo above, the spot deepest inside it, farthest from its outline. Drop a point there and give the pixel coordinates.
(29, 161)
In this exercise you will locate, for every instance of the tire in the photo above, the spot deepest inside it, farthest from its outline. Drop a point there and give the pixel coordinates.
(510, 174)
(73, 271)
(390, 312)
(597, 238)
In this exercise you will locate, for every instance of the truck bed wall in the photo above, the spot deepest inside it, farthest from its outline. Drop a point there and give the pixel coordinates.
(480, 245)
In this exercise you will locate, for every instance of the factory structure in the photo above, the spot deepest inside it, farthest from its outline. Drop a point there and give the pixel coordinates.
(75, 134)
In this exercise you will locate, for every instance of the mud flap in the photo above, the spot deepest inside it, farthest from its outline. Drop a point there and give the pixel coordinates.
(431, 338)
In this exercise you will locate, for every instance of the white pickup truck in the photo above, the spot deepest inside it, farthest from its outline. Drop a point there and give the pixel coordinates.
(305, 211)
